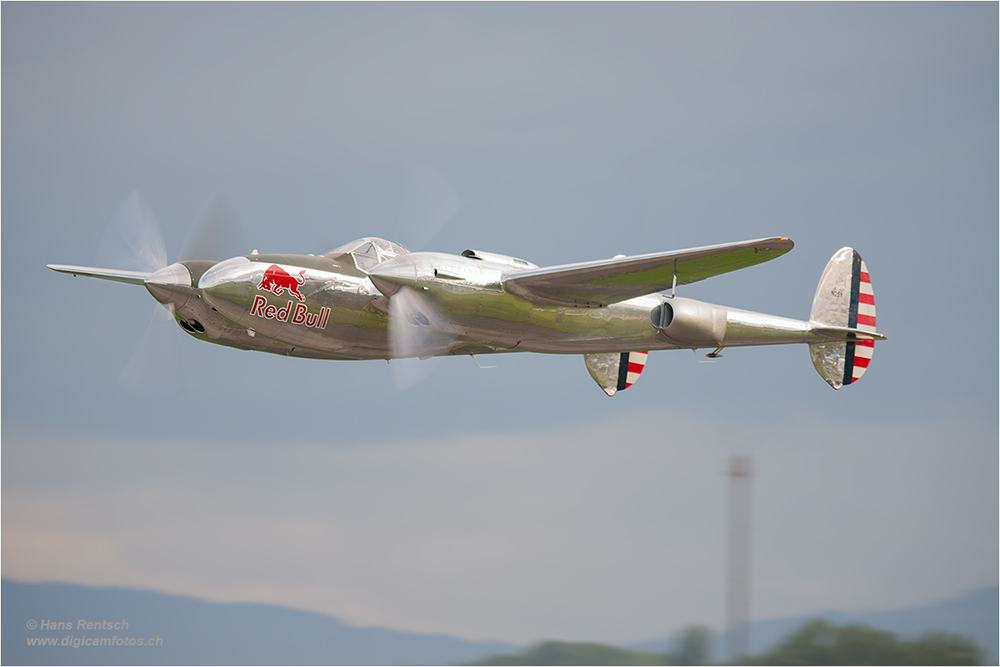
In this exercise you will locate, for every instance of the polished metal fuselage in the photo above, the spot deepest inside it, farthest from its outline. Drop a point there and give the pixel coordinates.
(337, 306)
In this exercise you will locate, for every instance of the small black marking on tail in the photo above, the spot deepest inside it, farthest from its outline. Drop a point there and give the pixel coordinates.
(849, 363)
(852, 316)
(622, 371)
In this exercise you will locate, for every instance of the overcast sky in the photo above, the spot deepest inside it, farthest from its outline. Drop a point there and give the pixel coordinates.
(518, 502)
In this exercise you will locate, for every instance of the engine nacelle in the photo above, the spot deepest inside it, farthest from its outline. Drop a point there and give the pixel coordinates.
(495, 258)
(689, 321)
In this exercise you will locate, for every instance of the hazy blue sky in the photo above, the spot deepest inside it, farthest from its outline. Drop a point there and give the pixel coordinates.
(518, 502)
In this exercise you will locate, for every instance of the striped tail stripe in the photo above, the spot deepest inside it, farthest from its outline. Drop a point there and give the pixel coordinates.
(862, 316)
(630, 367)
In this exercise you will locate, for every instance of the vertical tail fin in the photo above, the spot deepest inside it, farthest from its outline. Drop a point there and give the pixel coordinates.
(844, 299)
(615, 371)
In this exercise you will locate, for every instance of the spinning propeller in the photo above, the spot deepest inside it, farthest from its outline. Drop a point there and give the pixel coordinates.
(134, 241)
(417, 329)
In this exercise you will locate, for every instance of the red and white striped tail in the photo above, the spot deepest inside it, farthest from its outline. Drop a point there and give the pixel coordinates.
(860, 356)
(630, 367)
(844, 300)
(615, 371)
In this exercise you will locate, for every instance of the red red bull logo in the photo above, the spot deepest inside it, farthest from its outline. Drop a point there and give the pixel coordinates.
(276, 279)
(291, 312)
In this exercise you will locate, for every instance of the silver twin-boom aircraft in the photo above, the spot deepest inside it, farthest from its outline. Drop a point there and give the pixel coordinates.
(374, 299)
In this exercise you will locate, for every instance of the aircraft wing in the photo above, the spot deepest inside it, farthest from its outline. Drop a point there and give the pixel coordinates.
(118, 275)
(596, 284)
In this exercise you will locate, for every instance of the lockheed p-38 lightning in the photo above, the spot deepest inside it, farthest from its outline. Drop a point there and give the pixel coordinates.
(374, 299)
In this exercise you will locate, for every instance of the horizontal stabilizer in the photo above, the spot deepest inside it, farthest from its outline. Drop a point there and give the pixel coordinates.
(596, 284)
(846, 333)
(118, 275)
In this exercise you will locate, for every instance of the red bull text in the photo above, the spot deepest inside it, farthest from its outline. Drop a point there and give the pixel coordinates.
(294, 313)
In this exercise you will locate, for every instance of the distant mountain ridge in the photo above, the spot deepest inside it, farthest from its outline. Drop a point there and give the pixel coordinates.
(975, 615)
(196, 632)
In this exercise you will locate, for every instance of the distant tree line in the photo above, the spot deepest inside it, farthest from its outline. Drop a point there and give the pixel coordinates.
(822, 643)
(815, 643)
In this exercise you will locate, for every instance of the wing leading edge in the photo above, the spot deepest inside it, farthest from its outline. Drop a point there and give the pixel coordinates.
(118, 275)
(596, 284)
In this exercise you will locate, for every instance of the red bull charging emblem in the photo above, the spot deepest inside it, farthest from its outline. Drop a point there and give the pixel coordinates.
(276, 280)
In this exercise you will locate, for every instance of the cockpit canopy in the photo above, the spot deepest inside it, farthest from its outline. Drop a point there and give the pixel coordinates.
(368, 252)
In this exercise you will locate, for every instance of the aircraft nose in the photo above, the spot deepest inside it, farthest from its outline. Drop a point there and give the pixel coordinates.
(169, 282)
(392, 274)
(235, 270)
(227, 285)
